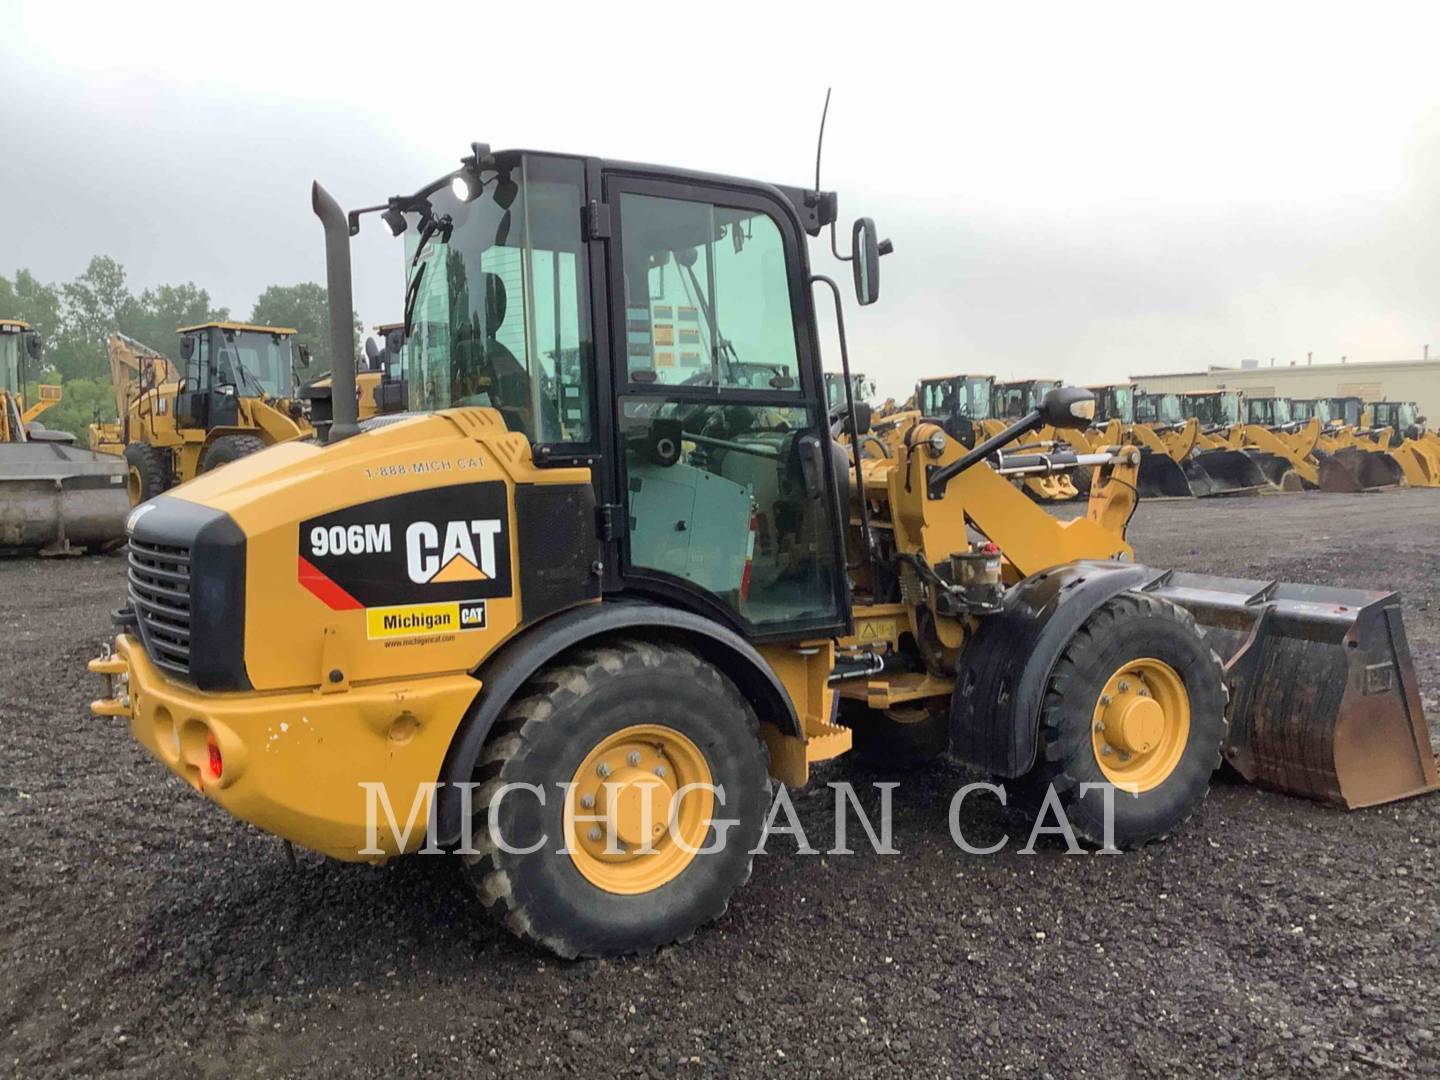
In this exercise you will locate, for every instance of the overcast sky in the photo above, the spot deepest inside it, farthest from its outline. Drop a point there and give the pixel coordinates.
(1081, 191)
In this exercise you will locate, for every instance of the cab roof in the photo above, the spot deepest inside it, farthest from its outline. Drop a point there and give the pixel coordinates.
(284, 330)
(11, 326)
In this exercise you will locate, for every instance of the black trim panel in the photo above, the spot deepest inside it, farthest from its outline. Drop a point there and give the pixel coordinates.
(555, 533)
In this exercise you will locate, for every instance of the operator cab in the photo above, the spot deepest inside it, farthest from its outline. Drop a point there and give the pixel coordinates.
(1013, 400)
(1114, 402)
(1270, 412)
(1303, 410)
(1213, 408)
(222, 362)
(958, 402)
(655, 325)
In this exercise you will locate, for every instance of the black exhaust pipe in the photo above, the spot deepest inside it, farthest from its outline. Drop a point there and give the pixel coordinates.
(346, 409)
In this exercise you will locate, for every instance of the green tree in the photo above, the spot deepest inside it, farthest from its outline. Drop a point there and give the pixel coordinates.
(95, 303)
(164, 309)
(31, 300)
(305, 309)
(84, 400)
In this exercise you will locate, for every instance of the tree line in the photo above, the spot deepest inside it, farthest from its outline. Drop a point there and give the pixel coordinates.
(76, 317)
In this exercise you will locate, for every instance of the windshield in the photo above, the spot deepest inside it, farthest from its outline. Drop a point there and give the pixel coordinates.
(1213, 410)
(10, 362)
(1167, 408)
(967, 396)
(1282, 411)
(1122, 405)
(1408, 415)
(501, 313)
(256, 363)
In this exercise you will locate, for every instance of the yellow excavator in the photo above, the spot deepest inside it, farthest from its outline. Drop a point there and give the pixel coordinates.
(55, 498)
(577, 649)
(231, 395)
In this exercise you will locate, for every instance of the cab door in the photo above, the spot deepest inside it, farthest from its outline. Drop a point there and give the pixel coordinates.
(723, 446)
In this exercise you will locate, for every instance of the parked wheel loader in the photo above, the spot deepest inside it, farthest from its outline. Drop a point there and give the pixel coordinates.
(1011, 400)
(232, 394)
(1398, 430)
(584, 649)
(55, 498)
(379, 386)
(1180, 460)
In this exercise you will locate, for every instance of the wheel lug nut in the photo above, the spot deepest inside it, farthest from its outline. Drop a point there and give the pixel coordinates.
(587, 801)
(1124, 686)
(1105, 751)
(1100, 726)
(603, 770)
(1104, 699)
(594, 832)
(660, 771)
(633, 759)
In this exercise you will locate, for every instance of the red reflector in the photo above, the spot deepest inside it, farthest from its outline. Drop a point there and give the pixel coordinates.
(217, 764)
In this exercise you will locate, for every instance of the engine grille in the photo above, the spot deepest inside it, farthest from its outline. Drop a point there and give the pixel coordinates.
(160, 594)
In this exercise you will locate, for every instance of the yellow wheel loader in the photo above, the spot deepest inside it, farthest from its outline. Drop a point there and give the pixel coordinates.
(231, 395)
(379, 386)
(1011, 400)
(1398, 429)
(1179, 461)
(578, 650)
(55, 498)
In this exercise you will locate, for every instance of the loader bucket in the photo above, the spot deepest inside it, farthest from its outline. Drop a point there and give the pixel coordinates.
(1160, 477)
(56, 498)
(1323, 698)
(1351, 469)
(1229, 472)
(1277, 471)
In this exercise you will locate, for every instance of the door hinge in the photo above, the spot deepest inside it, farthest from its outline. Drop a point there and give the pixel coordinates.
(595, 220)
(612, 521)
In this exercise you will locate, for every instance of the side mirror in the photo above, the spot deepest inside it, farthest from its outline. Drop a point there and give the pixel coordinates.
(34, 346)
(865, 260)
(372, 353)
(187, 346)
(303, 351)
(1068, 407)
(395, 340)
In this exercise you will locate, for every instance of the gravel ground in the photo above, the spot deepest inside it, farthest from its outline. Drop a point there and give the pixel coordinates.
(145, 933)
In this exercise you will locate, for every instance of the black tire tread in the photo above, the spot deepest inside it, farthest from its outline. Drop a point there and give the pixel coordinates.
(229, 448)
(516, 730)
(1050, 768)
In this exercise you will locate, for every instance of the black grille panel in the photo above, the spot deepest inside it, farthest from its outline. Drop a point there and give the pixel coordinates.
(160, 594)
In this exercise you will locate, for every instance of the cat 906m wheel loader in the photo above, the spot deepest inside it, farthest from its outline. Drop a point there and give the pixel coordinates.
(602, 587)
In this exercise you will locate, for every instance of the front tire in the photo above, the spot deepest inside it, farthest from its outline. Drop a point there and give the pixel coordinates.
(150, 471)
(228, 448)
(622, 713)
(1137, 699)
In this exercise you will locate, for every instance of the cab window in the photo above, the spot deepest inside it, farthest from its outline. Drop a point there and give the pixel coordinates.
(707, 298)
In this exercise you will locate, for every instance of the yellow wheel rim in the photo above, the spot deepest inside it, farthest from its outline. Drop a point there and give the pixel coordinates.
(638, 809)
(1141, 724)
(132, 485)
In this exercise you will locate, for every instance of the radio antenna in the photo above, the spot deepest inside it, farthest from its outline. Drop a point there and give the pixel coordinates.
(820, 142)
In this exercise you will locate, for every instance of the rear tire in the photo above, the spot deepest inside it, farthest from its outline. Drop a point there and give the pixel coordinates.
(150, 472)
(551, 734)
(228, 448)
(1132, 632)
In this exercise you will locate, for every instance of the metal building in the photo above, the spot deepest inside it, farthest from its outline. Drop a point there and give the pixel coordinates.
(1397, 380)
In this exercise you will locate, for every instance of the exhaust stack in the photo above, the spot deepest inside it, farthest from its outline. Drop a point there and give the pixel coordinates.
(337, 283)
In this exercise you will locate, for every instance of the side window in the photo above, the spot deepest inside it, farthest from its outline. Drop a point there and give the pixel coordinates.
(707, 297)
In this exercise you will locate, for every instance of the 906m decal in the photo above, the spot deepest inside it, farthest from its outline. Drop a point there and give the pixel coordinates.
(443, 548)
